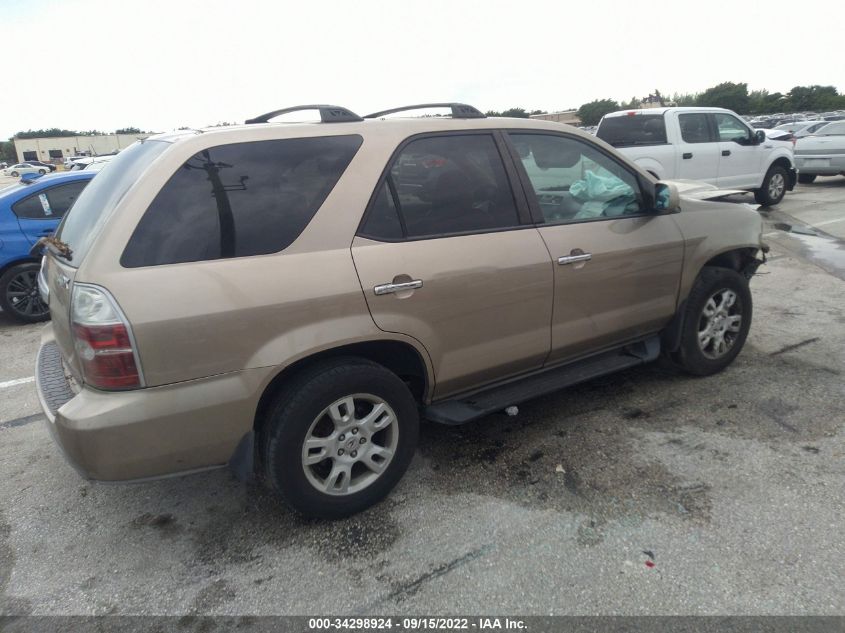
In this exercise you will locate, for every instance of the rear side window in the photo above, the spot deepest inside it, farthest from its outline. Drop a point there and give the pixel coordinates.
(695, 128)
(442, 186)
(238, 200)
(50, 204)
(638, 129)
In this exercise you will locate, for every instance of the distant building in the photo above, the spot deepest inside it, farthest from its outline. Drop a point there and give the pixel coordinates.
(570, 117)
(56, 148)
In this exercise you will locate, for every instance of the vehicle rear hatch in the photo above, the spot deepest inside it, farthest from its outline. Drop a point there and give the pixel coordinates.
(79, 230)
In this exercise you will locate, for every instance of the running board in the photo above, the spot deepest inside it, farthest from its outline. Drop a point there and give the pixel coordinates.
(480, 403)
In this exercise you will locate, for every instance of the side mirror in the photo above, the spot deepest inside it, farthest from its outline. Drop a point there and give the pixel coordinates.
(759, 137)
(666, 198)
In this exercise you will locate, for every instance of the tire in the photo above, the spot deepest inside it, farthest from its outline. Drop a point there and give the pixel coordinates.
(15, 174)
(705, 358)
(315, 406)
(42, 171)
(806, 179)
(19, 296)
(774, 186)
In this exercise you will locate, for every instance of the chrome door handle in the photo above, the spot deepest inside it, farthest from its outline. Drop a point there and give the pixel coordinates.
(386, 289)
(571, 259)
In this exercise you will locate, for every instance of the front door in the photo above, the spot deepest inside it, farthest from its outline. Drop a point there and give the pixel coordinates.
(740, 158)
(447, 255)
(617, 262)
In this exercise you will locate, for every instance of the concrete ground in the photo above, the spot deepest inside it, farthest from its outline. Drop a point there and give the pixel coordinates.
(645, 492)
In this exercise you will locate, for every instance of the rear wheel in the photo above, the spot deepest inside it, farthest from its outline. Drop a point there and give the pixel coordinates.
(19, 296)
(716, 321)
(340, 437)
(42, 171)
(15, 174)
(774, 186)
(806, 179)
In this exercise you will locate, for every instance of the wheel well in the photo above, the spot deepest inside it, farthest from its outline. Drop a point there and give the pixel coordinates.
(8, 265)
(400, 358)
(736, 259)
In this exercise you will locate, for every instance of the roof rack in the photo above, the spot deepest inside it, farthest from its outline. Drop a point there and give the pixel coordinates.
(328, 114)
(459, 110)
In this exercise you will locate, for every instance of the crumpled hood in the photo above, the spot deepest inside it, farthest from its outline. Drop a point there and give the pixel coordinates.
(698, 190)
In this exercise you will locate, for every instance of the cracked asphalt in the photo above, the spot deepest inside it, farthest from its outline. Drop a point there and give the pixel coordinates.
(645, 492)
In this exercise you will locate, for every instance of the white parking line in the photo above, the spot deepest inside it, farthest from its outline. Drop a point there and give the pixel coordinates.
(17, 381)
(826, 222)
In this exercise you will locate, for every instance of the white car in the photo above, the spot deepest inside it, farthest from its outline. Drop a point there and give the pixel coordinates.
(822, 153)
(91, 162)
(24, 168)
(713, 145)
(70, 161)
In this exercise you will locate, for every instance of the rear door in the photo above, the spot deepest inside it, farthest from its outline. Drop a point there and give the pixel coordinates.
(617, 263)
(447, 254)
(740, 159)
(39, 213)
(698, 152)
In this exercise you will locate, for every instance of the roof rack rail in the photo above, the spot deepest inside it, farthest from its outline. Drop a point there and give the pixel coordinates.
(459, 110)
(328, 114)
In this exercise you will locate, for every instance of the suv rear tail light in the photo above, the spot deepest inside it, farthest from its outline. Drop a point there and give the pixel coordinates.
(103, 340)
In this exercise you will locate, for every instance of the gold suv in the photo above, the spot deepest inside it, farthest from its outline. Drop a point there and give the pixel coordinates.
(290, 299)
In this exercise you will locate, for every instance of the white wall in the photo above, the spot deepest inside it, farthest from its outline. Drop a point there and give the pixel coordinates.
(72, 145)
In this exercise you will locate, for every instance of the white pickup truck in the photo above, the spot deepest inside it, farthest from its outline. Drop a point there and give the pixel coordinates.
(713, 145)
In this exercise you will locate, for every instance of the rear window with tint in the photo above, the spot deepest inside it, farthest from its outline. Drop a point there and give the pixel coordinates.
(638, 129)
(240, 199)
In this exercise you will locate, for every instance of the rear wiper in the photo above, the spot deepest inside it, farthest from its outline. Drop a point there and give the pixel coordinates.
(55, 245)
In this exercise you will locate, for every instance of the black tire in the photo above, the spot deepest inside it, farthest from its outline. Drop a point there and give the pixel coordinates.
(769, 194)
(27, 308)
(690, 355)
(806, 179)
(42, 171)
(15, 174)
(297, 408)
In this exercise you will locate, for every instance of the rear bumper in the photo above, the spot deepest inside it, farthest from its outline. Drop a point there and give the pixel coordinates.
(146, 433)
(821, 165)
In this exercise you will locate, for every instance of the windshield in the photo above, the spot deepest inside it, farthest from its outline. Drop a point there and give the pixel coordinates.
(639, 129)
(96, 202)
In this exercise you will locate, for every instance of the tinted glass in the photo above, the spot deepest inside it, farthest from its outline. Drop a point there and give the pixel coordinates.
(383, 219)
(50, 204)
(98, 200)
(574, 181)
(730, 128)
(239, 199)
(694, 128)
(451, 184)
(639, 129)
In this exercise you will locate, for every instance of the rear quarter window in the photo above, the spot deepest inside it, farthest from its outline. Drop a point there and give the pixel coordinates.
(638, 129)
(239, 200)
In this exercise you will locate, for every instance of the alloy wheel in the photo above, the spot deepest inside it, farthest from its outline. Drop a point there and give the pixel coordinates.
(777, 185)
(23, 296)
(719, 324)
(350, 444)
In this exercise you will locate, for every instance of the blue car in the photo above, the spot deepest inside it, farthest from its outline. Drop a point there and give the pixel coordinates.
(28, 212)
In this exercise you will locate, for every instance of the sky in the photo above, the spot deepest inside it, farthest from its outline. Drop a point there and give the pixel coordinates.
(107, 64)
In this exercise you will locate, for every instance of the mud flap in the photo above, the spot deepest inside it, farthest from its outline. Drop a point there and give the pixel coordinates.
(242, 462)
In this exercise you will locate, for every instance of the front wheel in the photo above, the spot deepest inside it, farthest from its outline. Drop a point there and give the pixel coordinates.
(774, 186)
(42, 171)
(716, 321)
(19, 296)
(15, 174)
(806, 179)
(339, 437)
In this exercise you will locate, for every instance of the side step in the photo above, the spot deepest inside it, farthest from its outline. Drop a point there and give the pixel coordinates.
(480, 403)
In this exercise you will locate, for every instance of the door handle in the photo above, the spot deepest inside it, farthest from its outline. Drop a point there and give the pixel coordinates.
(687, 155)
(386, 289)
(726, 152)
(571, 259)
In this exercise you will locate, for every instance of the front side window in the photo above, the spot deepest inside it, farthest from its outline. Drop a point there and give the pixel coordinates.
(239, 200)
(833, 129)
(695, 128)
(731, 129)
(574, 181)
(441, 186)
(50, 204)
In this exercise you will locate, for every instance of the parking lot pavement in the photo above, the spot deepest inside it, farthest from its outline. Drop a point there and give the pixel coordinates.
(646, 492)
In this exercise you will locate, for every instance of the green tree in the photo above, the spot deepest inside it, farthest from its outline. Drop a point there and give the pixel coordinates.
(633, 104)
(685, 99)
(7, 151)
(128, 130)
(726, 95)
(592, 112)
(816, 98)
(765, 102)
